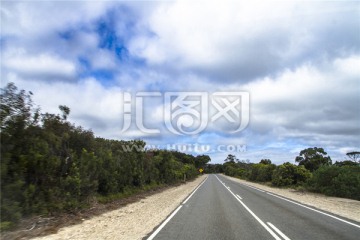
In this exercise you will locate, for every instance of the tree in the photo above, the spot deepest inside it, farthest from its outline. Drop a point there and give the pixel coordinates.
(289, 174)
(265, 161)
(346, 163)
(214, 168)
(18, 120)
(201, 161)
(48, 164)
(231, 158)
(16, 108)
(337, 181)
(313, 158)
(65, 111)
(354, 156)
(265, 172)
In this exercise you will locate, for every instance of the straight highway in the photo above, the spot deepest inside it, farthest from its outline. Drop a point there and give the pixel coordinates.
(223, 209)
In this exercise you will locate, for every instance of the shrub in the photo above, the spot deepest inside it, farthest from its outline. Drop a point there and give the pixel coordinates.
(336, 181)
(289, 174)
(261, 172)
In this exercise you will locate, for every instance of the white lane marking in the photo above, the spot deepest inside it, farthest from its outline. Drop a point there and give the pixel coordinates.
(329, 215)
(173, 214)
(342, 220)
(253, 187)
(278, 231)
(194, 191)
(238, 196)
(249, 186)
(164, 223)
(253, 214)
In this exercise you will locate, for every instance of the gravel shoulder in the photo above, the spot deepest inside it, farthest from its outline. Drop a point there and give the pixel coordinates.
(133, 221)
(344, 207)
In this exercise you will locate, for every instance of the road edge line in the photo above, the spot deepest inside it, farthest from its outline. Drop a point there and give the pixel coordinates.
(315, 210)
(195, 190)
(162, 225)
(278, 231)
(299, 204)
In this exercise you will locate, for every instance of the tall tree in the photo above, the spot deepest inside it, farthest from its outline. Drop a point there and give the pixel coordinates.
(354, 156)
(231, 158)
(265, 161)
(201, 161)
(313, 158)
(65, 111)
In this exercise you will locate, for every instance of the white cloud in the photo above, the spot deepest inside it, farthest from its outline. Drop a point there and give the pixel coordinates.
(38, 66)
(298, 60)
(239, 40)
(28, 18)
(309, 101)
(92, 105)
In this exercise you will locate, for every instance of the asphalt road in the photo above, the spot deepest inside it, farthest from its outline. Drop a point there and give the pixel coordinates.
(222, 209)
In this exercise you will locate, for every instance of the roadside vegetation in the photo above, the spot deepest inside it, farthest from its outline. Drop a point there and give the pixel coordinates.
(49, 165)
(314, 172)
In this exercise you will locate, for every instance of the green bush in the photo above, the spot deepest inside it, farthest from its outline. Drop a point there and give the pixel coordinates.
(6, 226)
(289, 174)
(261, 172)
(336, 181)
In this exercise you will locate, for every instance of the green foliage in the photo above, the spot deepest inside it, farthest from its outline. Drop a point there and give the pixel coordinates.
(230, 170)
(341, 179)
(313, 158)
(170, 169)
(265, 161)
(346, 163)
(6, 225)
(337, 181)
(261, 172)
(231, 158)
(214, 168)
(233, 169)
(48, 164)
(201, 161)
(289, 174)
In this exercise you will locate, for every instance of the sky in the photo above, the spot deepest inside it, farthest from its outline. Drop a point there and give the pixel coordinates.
(298, 61)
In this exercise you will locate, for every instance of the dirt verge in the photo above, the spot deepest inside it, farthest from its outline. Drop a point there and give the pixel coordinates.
(130, 218)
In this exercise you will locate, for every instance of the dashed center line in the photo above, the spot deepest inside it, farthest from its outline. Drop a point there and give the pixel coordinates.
(254, 215)
(153, 235)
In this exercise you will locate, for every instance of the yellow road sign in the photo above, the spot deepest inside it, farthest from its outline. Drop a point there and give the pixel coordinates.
(201, 170)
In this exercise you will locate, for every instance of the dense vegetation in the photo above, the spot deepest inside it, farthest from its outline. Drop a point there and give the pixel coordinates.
(50, 165)
(315, 172)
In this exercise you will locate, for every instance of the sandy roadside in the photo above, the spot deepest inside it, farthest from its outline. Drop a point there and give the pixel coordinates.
(133, 221)
(347, 208)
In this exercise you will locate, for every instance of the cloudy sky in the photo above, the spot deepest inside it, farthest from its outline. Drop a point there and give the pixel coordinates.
(298, 60)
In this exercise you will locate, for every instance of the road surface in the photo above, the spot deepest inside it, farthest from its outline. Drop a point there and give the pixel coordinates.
(222, 209)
